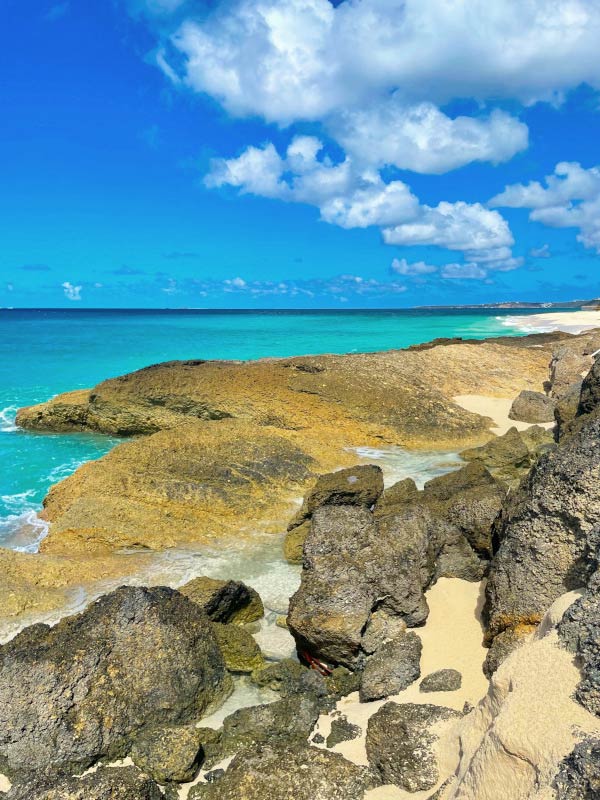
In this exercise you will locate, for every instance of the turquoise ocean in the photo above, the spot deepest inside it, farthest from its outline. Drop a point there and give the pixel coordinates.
(44, 352)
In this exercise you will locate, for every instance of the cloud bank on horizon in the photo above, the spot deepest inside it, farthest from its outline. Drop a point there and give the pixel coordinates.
(439, 129)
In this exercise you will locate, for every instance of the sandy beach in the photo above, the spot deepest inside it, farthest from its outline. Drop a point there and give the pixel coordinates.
(567, 321)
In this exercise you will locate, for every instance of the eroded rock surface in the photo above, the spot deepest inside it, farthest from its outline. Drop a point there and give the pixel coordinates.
(81, 691)
(393, 667)
(225, 601)
(106, 783)
(533, 407)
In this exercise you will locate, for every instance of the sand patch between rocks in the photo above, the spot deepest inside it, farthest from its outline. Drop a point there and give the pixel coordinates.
(497, 409)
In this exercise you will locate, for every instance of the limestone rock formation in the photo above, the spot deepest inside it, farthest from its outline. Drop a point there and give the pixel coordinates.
(83, 690)
(277, 772)
(400, 744)
(510, 457)
(106, 783)
(225, 601)
(169, 754)
(393, 667)
(579, 775)
(342, 731)
(532, 407)
(547, 535)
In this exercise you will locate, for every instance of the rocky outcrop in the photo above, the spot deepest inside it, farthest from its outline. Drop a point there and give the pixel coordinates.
(83, 690)
(510, 457)
(546, 534)
(106, 783)
(280, 772)
(342, 731)
(365, 572)
(532, 407)
(504, 644)
(288, 722)
(225, 601)
(401, 742)
(393, 667)
(359, 486)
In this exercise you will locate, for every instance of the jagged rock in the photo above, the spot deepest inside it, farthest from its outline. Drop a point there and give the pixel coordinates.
(169, 755)
(570, 362)
(133, 660)
(350, 562)
(282, 772)
(225, 601)
(589, 401)
(393, 667)
(106, 783)
(396, 497)
(381, 628)
(532, 407)
(342, 731)
(503, 645)
(342, 682)
(444, 680)
(401, 746)
(289, 677)
(354, 486)
(545, 534)
(239, 649)
(288, 721)
(293, 544)
(580, 632)
(579, 775)
(566, 409)
(507, 457)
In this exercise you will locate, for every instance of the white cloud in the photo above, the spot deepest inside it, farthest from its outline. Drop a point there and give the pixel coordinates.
(302, 59)
(540, 252)
(570, 198)
(71, 292)
(455, 226)
(423, 139)
(402, 267)
(464, 272)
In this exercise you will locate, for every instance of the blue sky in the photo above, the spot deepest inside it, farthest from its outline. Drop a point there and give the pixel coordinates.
(299, 153)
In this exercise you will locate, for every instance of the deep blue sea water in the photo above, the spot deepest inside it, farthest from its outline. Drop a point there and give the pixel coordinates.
(44, 352)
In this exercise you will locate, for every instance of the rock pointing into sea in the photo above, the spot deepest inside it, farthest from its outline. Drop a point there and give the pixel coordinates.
(135, 660)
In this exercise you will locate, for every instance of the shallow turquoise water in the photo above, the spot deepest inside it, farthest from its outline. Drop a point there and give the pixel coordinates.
(43, 353)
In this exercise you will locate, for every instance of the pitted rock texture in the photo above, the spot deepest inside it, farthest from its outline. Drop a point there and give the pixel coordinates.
(579, 630)
(401, 745)
(281, 773)
(106, 783)
(393, 667)
(444, 680)
(546, 535)
(83, 690)
(169, 755)
(579, 775)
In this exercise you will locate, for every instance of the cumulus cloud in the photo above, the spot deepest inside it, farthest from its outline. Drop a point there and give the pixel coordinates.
(423, 139)
(464, 272)
(303, 59)
(569, 198)
(71, 292)
(353, 197)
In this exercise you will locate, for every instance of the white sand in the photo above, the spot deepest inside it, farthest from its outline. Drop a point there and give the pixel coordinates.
(567, 321)
(452, 638)
(497, 409)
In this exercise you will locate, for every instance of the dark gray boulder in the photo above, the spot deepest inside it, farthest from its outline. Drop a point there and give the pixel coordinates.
(169, 755)
(287, 721)
(401, 746)
(289, 677)
(546, 535)
(508, 457)
(444, 680)
(106, 783)
(532, 407)
(579, 630)
(280, 772)
(393, 667)
(81, 691)
(589, 400)
(579, 774)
